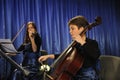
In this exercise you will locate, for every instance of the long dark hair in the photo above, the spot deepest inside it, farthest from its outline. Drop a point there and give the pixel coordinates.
(27, 39)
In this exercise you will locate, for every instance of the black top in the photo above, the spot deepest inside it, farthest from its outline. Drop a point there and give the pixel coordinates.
(90, 51)
(30, 57)
(37, 41)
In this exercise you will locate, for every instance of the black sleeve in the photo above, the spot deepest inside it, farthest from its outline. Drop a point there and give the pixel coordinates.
(91, 49)
(38, 42)
(21, 48)
(56, 55)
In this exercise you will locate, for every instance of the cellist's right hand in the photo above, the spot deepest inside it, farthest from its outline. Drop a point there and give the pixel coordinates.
(45, 57)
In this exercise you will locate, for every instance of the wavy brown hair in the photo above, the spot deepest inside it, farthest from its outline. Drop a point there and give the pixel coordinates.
(27, 39)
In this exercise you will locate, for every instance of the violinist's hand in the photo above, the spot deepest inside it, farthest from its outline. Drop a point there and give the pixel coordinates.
(79, 39)
(31, 34)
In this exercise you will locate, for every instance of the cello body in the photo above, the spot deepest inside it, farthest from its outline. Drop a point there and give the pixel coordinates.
(68, 67)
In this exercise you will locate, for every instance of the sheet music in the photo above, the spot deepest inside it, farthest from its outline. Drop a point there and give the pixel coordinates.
(7, 46)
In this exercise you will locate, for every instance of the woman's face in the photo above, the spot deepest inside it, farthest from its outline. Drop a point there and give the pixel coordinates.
(74, 31)
(31, 28)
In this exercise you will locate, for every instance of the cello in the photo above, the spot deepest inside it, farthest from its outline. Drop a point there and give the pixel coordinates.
(69, 62)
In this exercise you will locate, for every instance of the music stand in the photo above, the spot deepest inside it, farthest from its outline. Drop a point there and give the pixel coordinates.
(7, 47)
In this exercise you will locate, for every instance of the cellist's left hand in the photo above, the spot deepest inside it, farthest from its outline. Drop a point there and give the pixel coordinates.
(79, 39)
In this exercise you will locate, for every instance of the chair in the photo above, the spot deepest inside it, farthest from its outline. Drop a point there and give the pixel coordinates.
(110, 67)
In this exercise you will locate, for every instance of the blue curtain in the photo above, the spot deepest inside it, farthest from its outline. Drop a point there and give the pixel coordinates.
(51, 17)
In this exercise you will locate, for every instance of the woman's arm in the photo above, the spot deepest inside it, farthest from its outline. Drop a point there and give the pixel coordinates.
(45, 57)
